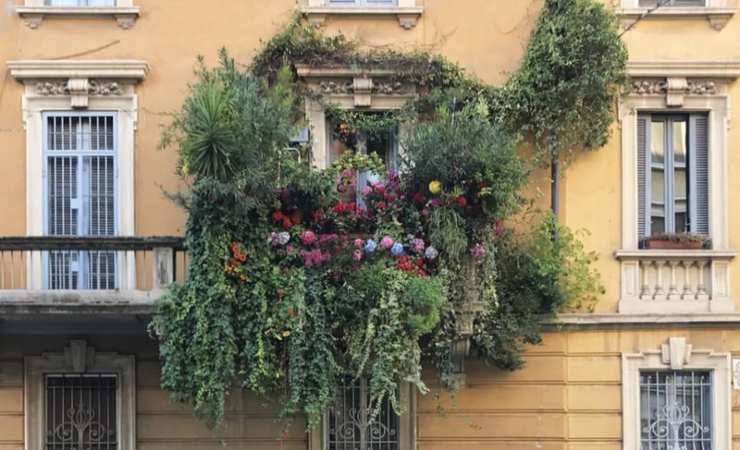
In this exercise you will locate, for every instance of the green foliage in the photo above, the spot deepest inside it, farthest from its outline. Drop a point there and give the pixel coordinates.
(565, 91)
(536, 277)
(293, 286)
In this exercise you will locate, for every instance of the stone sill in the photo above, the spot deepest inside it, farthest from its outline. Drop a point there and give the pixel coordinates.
(717, 17)
(34, 15)
(407, 17)
(607, 320)
(675, 254)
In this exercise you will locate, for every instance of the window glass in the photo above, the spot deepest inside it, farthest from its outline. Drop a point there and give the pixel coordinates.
(654, 3)
(82, 3)
(679, 143)
(675, 410)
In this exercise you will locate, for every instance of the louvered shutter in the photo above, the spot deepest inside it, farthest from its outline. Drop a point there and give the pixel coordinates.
(699, 173)
(643, 175)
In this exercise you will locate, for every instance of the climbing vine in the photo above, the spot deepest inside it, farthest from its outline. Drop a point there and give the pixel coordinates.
(300, 277)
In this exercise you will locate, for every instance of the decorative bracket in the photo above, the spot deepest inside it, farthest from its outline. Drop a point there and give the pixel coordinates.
(363, 90)
(676, 353)
(78, 356)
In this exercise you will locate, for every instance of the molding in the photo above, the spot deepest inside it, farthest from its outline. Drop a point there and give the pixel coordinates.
(687, 69)
(126, 69)
(407, 17)
(717, 17)
(677, 354)
(706, 254)
(78, 357)
(35, 15)
(642, 320)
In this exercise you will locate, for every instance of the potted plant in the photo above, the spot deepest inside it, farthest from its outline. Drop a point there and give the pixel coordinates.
(675, 241)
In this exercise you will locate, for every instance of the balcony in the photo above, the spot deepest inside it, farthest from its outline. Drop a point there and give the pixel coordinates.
(51, 276)
(675, 281)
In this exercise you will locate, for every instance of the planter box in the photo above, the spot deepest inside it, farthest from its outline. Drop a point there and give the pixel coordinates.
(663, 244)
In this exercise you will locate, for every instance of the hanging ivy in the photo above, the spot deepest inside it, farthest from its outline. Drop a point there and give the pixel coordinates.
(300, 276)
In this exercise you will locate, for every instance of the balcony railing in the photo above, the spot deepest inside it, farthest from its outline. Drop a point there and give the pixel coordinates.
(675, 281)
(100, 266)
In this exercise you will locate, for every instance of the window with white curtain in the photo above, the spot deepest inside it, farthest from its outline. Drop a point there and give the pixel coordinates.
(80, 196)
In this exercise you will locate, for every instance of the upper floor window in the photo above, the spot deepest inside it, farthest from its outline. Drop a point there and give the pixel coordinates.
(673, 174)
(80, 3)
(362, 2)
(80, 196)
(662, 3)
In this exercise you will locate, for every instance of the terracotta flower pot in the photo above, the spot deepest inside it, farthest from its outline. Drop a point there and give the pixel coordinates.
(664, 244)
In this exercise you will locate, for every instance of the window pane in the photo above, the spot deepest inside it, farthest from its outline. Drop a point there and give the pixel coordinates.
(349, 425)
(81, 412)
(658, 206)
(653, 3)
(675, 410)
(657, 142)
(74, 3)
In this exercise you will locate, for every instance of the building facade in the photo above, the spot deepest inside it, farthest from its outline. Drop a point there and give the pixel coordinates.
(87, 85)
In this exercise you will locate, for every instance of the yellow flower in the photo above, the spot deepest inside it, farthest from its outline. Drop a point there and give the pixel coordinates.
(286, 333)
(435, 187)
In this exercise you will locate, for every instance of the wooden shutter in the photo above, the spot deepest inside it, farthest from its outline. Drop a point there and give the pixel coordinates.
(643, 175)
(699, 173)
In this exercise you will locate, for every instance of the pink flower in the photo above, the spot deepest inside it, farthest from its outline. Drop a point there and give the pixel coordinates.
(436, 202)
(366, 191)
(386, 242)
(478, 251)
(311, 258)
(358, 243)
(308, 237)
(379, 188)
(380, 205)
(327, 238)
(357, 255)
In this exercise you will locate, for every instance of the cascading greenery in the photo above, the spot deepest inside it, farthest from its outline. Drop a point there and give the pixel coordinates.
(300, 277)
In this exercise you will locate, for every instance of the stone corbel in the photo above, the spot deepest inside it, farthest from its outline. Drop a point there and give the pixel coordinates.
(79, 89)
(676, 353)
(676, 89)
(33, 21)
(718, 21)
(408, 21)
(78, 356)
(363, 89)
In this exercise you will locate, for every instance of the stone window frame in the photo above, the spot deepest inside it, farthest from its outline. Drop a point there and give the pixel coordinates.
(33, 12)
(406, 423)
(677, 354)
(407, 12)
(86, 85)
(677, 87)
(716, 12)
(77, 358)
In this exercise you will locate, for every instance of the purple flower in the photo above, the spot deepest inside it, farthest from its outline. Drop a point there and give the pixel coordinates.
(370, 246)
(397, 249)
(478, 251)
(418, 245)
(386, 242)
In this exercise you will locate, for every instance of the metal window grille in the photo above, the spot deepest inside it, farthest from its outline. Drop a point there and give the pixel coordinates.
(675, 410)
(362, 2)
(80, 196)
(80, 3)
(81, 412)
(349, 426)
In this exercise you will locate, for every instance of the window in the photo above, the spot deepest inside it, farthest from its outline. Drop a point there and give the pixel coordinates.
(362, 2)
(348, 423)
(80, 398)
(663, 3)
(675, 410)
(676, 397)
(80, 3)
(673, 174)
(81, 411)
(80, 196)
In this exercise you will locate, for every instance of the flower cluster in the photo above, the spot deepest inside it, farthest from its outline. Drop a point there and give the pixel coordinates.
(234, 266)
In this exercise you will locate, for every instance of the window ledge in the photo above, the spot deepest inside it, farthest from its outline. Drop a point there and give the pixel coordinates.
(717, 17)
(34, 15)
(674, 254)
(407, 16)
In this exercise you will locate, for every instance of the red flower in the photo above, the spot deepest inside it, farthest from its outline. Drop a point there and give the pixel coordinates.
(419, 198)
(318, 215)
(287, 224)
(389, 197)
(380, 205)
(461, 201)
(277, 216)
(379, 188)
(404, 264)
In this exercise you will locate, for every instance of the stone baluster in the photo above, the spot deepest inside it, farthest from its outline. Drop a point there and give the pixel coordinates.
(701, 291)
(688, 291)
(660, 292)
(645, 293)
(673, 293)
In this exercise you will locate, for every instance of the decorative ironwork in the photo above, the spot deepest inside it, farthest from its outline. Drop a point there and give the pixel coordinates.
(676, 410)
(81, 412)
(350, 424)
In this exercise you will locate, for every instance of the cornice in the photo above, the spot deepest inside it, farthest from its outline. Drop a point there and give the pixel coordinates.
(124, 69)
(689, 69)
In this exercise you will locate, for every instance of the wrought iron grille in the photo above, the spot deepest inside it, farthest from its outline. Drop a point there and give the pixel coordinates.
(80, 196)
(349, 426)
(81, 412)
(676, 410)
